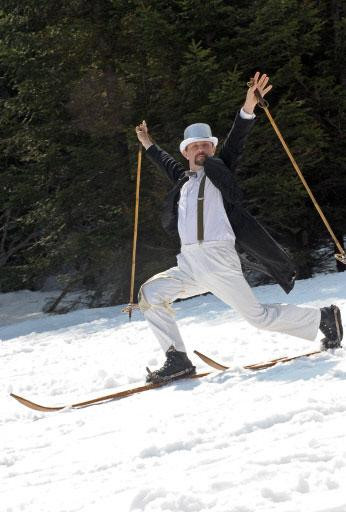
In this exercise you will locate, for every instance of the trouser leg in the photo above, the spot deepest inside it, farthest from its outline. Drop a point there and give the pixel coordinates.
(216, 268)
(226, 281)
(155, 298)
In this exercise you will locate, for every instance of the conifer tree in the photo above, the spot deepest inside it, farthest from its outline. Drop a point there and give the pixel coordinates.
(77, 76)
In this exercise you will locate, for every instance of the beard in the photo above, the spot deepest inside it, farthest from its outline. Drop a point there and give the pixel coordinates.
(200, 159)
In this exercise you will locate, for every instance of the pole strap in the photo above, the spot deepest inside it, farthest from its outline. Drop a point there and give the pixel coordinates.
(264, 104)
(200, 208)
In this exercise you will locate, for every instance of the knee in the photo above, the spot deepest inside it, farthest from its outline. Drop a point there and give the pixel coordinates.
(148, 296)
(143, 303)
(153, 293)
(261, 319)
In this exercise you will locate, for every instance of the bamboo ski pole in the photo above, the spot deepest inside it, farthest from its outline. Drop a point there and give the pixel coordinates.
(264, 104)
(131, 305)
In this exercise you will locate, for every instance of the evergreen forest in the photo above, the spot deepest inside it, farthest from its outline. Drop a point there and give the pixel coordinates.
(77, 76)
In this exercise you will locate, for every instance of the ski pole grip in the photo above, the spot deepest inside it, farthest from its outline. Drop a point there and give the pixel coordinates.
(341, 257)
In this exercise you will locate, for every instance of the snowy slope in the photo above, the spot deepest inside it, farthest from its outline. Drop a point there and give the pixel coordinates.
(273, 440)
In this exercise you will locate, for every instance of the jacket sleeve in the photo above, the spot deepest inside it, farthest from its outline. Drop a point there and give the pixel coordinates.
(233, 145)
(165, 162)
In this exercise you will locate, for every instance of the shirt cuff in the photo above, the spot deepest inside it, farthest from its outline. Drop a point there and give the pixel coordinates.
(245, 115)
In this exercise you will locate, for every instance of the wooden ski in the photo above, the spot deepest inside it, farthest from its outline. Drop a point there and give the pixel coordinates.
(133, 391)
(256, 366)
(102, 399)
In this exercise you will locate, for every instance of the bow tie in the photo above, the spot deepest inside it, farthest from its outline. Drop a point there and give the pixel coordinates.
(191, 173)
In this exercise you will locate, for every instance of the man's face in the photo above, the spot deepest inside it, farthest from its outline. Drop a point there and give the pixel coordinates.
(197, 152)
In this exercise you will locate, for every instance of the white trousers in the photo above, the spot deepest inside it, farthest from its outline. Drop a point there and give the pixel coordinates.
(215, 267)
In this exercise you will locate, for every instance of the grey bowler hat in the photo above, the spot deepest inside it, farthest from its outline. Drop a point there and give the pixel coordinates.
(197, 132)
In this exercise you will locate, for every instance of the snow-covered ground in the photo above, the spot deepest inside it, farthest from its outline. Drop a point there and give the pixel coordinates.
(238, 441)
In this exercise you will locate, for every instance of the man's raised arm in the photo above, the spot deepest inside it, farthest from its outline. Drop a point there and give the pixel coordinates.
(143, 135)
(233, 146)
(160, 158)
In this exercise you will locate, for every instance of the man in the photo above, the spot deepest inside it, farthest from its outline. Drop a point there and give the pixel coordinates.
(205, 207)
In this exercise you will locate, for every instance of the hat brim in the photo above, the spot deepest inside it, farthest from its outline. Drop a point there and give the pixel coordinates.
(186, 142)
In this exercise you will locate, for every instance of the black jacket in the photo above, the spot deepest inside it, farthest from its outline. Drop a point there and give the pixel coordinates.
(251, 237)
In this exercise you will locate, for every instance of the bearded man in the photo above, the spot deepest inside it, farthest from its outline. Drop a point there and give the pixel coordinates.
(205, 207)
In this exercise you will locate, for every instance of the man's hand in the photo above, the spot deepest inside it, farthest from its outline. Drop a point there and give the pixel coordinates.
(143, 135)
(260, 82)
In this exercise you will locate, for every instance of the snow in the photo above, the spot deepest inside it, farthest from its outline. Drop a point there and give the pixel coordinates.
(238, 441)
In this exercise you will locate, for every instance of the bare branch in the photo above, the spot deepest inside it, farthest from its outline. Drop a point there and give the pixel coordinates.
(6, 215)
(14, 249)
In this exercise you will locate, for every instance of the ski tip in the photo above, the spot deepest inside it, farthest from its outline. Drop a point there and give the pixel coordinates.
(210, 361)
(33, 405)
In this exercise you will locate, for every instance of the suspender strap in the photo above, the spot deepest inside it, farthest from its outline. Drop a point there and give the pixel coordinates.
(200, 201)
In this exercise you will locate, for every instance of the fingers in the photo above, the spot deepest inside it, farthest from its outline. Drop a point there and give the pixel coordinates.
(267, 89)
(141, 128)
(255, 78)
(260, 82)
(263, 80)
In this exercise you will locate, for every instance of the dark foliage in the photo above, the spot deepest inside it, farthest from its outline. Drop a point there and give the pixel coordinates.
(77, 76)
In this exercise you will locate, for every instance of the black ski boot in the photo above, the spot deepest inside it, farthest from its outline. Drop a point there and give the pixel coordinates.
(331, 326)
(177, 365)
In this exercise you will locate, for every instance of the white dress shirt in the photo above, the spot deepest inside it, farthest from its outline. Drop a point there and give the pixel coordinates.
(215, 220)
(216, 223)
